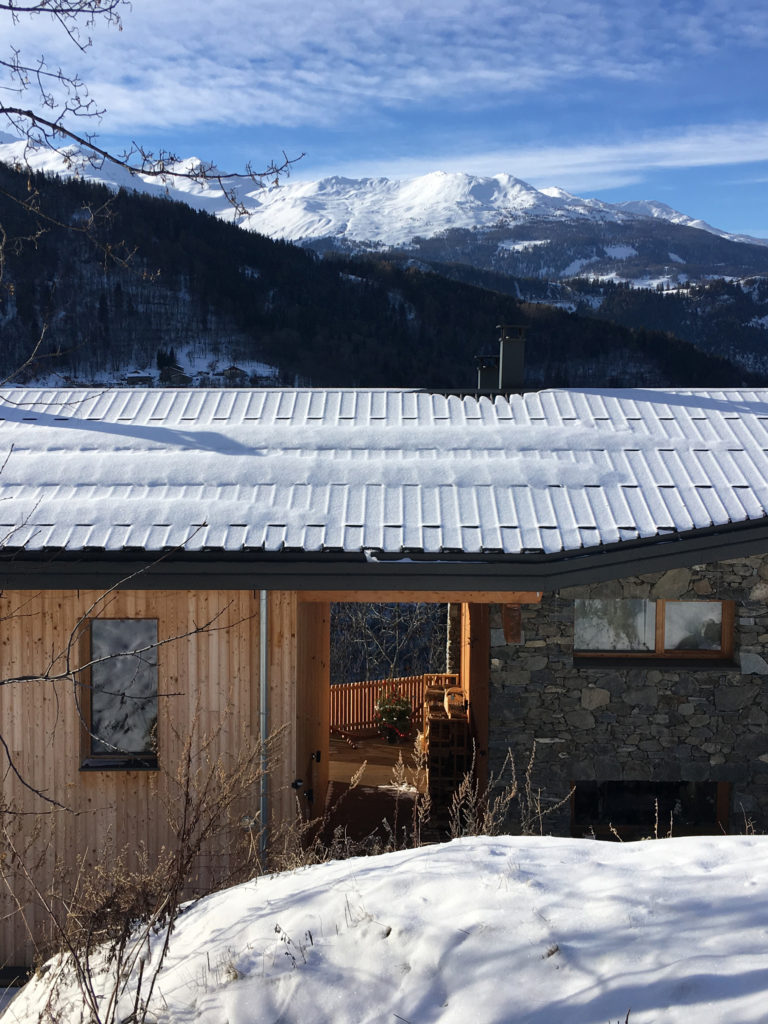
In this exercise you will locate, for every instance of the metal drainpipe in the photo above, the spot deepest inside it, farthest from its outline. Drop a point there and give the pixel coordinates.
(263, 717)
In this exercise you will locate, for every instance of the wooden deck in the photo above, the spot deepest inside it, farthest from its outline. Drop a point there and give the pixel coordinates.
(361, 811)
(380, 758)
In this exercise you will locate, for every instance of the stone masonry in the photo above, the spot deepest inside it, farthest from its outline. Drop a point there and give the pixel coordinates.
(628, 720)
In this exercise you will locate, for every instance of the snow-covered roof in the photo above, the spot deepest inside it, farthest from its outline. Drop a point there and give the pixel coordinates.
(375, 471)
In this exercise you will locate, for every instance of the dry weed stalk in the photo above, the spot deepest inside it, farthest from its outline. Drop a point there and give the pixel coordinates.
(112, 921)
(490, 812)
(477, 813)
(532, 813)
(422, 808)
(22, 852)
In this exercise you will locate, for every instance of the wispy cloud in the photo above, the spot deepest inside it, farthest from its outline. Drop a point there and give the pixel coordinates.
(589, 95)
(187, 62)
(590, 166)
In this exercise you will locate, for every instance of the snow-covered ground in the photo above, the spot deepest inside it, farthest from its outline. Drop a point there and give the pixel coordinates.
(203, 369)
(478, 931)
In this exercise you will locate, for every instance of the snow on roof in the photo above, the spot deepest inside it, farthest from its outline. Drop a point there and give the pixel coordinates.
(380, 471)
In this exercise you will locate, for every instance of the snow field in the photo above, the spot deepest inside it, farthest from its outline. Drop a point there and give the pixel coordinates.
(487, 930)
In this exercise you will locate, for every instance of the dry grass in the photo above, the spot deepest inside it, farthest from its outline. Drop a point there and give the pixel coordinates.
(112, 922)
(111, 917)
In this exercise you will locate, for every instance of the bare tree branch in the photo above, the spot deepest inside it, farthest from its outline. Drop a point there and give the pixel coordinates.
(62, 96)
(43, 104)
(23, 781)
(50, 107)
(372, 640)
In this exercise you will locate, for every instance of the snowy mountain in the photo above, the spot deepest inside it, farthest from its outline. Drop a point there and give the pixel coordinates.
(372, 213)
(224, 300)
(201, 293)
(393, 213)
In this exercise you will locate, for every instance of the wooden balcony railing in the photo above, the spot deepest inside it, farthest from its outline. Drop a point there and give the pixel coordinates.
(353, 705)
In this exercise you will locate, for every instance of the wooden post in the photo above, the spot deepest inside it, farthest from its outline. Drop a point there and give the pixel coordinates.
(313, 705)
(475, 676)
(453, 638)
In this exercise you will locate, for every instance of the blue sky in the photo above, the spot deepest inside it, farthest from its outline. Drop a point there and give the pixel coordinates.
(632, 99)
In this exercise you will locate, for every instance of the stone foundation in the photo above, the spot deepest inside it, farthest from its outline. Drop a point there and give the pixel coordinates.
(627, 720)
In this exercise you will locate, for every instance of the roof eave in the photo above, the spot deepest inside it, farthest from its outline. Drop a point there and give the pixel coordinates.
(337, 570)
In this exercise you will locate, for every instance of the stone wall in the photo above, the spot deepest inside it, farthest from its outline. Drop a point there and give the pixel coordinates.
(626, 720)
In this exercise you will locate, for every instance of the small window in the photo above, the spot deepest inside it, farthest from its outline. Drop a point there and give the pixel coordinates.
(638, 810)
(653, 629)
(120, 712)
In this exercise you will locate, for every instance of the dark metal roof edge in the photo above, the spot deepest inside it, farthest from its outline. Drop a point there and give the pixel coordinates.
(27, 570)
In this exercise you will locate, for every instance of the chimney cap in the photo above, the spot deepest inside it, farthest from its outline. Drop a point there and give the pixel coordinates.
(487, 359)
(508, 329)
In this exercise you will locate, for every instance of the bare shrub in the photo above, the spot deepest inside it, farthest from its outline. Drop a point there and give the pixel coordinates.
(483, 813)
(532, 811)
(422, 808)
(504, 805)
(113, 920)
(23, 851)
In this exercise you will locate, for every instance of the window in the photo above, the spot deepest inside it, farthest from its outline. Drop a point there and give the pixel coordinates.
(638, 628)
(636, 810)
(120, 713)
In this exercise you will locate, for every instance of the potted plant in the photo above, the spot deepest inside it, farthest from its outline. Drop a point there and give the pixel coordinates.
(393, 711)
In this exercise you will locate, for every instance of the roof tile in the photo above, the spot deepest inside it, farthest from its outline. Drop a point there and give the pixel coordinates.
(381, 470)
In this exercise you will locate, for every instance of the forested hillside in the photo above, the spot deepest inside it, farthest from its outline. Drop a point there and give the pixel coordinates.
(148, 274)
(724, 317)
(636, 251)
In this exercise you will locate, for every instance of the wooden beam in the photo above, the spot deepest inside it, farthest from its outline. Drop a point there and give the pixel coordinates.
(426, 596)
(313, 704)
(511, 622)
(282, 674)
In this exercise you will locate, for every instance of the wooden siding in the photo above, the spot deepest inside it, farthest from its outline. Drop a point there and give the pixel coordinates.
(208, 675)
(282, 614)
(206, 671)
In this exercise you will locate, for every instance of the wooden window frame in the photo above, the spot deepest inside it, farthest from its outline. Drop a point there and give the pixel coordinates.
(116, 761)
(660, 653)
(622, 831)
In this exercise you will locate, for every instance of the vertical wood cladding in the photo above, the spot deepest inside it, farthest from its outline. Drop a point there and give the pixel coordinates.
(207, 672)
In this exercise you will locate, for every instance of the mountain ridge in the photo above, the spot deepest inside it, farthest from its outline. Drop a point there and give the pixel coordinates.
(372, 212)
(218, 296)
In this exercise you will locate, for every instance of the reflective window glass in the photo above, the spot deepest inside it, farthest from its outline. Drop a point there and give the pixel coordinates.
(693, 626)
(123, 686)
(621, 625)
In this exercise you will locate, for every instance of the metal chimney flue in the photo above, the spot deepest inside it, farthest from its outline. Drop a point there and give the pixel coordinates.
(503, 373)
(511, 357)
(487, 372)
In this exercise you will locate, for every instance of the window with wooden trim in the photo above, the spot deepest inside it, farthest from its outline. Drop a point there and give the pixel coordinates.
(638, 628)
(637, 810)
(119, 707)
